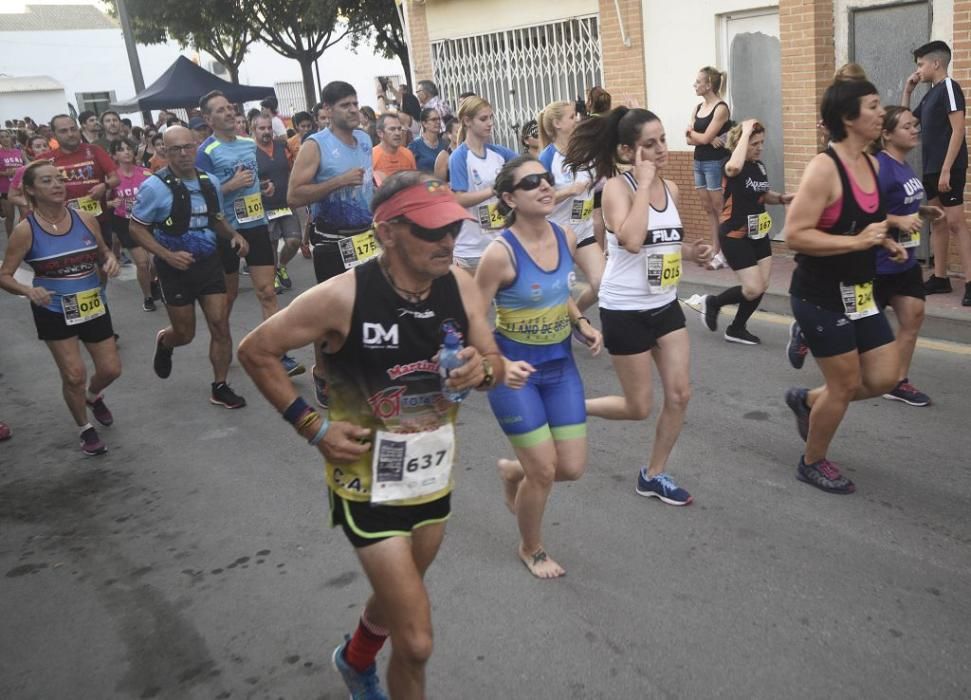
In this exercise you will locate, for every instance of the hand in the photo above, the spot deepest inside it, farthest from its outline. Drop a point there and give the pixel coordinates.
(98, 191)
(39, 296)
(353, 177)
(470, 375)
(241, 178)
(267, 188)
(897, 252)
(718, 142)
(591, 336)
(110, 265)
(786, 199)
(240, 245)
(179, 259)
(517, 373)
(910, 222)
(644, 170)
(934, 213)
(344, 442)
(703, 252)
(114, 203)
(944, 183)
(748, 125)
(874, 234)
(913, 80)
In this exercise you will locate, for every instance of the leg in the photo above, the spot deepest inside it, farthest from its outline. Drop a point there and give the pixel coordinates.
(107, 364)
(262, 276)
(672, 356)
(634, 373)
(940, 237)
(957, 226)
(753, 281)
(828, 403)
(67, 356)
(910, 315)
(7, 208)
(142, 270)
(290, 248)
(538, 464)
(590, 259)
(232, 290)
(710, 214)
(715, 204)
(215, 307)
(182, 328)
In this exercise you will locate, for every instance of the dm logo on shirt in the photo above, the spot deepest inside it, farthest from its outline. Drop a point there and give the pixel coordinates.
(375, 336)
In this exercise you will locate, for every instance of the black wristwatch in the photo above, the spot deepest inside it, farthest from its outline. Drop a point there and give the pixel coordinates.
(490, 375)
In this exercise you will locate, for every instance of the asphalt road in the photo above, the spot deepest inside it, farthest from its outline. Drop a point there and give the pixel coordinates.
(194, 560)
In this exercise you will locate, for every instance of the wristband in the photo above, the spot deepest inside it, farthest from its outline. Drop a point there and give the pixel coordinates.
(576, 324)
(295, 410)
(308, 418)
(320, 433)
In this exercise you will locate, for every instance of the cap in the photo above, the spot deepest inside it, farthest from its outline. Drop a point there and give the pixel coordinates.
(430, 204)
(197, 123)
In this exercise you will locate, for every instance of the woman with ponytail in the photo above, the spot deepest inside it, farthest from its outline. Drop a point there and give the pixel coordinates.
(574, 193)
(642, 321)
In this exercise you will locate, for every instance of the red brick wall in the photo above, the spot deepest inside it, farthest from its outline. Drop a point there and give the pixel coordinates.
(693, 217)
(623, 68)
(961, 72)
(420, 47)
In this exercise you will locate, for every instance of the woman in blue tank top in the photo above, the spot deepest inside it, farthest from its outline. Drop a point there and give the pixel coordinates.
(65, 249)
(527, 272)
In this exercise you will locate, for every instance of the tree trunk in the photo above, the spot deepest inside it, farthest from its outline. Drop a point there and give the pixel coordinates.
(233, 73)
(406, 64)
(306, 62)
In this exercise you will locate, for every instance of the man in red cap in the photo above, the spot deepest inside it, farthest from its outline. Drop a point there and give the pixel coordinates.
(389, 439)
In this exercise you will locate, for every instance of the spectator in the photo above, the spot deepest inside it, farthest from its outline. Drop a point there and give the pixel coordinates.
(427, 94)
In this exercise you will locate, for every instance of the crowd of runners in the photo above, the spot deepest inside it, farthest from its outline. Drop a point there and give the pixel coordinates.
(427, 239)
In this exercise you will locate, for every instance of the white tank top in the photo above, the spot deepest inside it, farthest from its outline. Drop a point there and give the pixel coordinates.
(647, 279)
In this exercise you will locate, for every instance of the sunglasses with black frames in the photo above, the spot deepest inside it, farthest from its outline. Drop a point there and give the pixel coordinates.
(531, 182)
(431, 235)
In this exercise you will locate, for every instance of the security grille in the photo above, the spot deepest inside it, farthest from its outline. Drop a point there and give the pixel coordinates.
(289, 97)
(520, 71)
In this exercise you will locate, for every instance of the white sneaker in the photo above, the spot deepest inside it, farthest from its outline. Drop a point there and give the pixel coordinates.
(717, 262)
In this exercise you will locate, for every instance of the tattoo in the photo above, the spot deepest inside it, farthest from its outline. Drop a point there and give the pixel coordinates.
(539, 556)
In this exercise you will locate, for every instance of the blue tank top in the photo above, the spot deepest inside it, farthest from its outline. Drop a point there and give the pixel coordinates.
(346, 207)
(532, 316)
(65, 264)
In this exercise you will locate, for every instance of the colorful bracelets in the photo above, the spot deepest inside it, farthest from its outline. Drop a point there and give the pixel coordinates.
(300, 415)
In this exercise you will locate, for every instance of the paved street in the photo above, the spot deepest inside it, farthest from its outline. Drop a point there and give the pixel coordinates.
(194, 560)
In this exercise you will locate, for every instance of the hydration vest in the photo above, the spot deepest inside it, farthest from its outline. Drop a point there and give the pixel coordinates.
(177, 223)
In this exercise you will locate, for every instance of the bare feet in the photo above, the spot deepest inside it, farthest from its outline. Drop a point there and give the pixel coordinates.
(512, 474)
(540, 565)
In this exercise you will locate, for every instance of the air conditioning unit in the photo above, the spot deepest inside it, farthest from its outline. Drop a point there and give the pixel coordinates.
(217, 68)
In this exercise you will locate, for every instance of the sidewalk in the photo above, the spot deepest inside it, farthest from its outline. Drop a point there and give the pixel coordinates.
(945, 318)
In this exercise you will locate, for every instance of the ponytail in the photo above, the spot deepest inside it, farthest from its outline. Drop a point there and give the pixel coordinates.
(594, 143)
(553, 112)
(716, 79)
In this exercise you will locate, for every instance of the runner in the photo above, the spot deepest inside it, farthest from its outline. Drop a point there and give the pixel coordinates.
(899, 285)
(527, 272)
(177, 217)
(430, 143)
(598, 104)
(472, 170)
(706, 130)
(11, 159)
(529, 139)
(333, 174)
(944, 155)
(574, 194)
(836, 220)
(121, 202)
(450, 137)
(389, 156)
(744, 231)
(642, 321)
(65, 248)
(385, 322)
(36, 149)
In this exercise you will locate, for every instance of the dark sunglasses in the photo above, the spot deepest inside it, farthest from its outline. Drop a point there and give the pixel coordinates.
(432, 235)
(531, 182)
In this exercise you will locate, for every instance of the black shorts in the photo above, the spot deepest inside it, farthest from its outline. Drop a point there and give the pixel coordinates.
(260, 250)
(105, 224)
(745, 252)
(959, 177)
(598, 198)
(901, 284)
(327, 261)
(366, 524)
(51, 326)
(634, 332)
(120, 226)
(829, 333)
(184, 287)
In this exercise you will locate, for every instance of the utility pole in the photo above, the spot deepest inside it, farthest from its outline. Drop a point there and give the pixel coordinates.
(130, 46)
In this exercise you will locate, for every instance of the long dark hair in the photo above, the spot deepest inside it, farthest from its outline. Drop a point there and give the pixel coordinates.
(505, 181)
(594, 141)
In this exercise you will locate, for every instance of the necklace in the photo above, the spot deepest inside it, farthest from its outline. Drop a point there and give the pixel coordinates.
(412, 297)
(52, 224)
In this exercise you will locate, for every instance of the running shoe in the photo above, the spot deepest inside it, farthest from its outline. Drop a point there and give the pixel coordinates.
(824, 475)
(709, 313)
(100, 411)
(966, 301)
(125, 260)
(741, 336)
(284, 277)
(5, 433)
(292, 367)
(148, 304)
(277, 287)
(363, 685)
(91, 444)
(908, 393)
(162, 362)
(222, 395)
(796, 348)
(320, 389)
(796, 400)
(937, 285)
(663, 487)
(244, 269)
(717, 262)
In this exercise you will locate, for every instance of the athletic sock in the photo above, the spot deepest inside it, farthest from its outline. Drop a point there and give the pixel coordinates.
(364, 645)
(91, 397)
(86, 426)
(746, 308)
(732, 295)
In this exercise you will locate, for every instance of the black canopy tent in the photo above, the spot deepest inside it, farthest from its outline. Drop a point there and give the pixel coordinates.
(183, 84)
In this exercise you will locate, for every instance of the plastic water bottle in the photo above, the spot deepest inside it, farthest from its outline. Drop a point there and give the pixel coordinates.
(448, 359)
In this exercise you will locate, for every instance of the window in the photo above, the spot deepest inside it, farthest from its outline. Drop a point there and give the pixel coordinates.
(97, 102)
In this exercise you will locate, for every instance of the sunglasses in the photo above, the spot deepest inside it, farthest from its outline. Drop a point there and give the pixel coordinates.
(531, 182)
(432, 235)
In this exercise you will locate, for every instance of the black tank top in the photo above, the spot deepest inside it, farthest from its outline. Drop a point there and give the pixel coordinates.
(744, 198)
(706, 151)
(817, 278)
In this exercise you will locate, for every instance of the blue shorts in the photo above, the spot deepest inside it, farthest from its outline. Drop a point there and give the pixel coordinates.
(708, 175)
(830, 333)
(549, 407)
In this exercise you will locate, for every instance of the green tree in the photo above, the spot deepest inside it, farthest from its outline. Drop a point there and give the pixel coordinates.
(378, 21)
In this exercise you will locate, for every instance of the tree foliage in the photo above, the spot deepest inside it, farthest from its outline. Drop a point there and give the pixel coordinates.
(377, 21)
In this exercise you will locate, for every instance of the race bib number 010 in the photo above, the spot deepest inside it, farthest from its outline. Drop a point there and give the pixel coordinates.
(582, 210)
(248, 208)
(490, 218)
(82, 306)
(759, 225)
(858, 300)
(663, 271)
(358, 249)
(278, 213)
(411, 465)
(87, 205)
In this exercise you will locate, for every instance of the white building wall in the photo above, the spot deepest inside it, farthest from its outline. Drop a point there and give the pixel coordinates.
(29, 104)
(448, 19)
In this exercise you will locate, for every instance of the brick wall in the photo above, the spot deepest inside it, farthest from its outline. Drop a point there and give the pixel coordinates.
(693, 217)
(961, 72)
(623, 67)
(420, 48)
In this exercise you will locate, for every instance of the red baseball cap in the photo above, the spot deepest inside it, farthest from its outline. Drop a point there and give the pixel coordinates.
(430, 204)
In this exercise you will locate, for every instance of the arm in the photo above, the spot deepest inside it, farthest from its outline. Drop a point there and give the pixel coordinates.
(628, 217)
(717, 122)
(954, 144)
(441, 166)
(495, 270)
(17, 247)
(737, 160)
(16, 196)
(481, 343)
(470, 199)
(302, 189)
(459, 181)
(912, 81)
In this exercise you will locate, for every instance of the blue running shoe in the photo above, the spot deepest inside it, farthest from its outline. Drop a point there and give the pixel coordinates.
(363, 686)
(796, 400)
(663, 487)
(796, 348)
(292, 367)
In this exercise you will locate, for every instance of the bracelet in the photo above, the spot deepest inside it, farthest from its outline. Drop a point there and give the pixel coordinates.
(576, 324)
(320, 433)
(296, 410)
(311, 416)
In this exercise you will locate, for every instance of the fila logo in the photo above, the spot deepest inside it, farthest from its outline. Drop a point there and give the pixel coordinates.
(666, 235)
(376, 335)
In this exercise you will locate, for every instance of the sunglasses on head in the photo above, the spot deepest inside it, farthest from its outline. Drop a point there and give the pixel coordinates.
(531, 182)
(432, 235)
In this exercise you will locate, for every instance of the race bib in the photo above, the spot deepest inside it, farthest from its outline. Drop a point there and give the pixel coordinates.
(759, 225)
(909, 239)
(858, 300)
(489, 217)
(411, 465)
(358, 249)
(248, 208)
(87, 205)
(663, 271)
(278, 213)
(582, 210)
(82, 306)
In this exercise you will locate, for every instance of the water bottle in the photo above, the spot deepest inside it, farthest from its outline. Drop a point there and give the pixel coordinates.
(448, 359)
